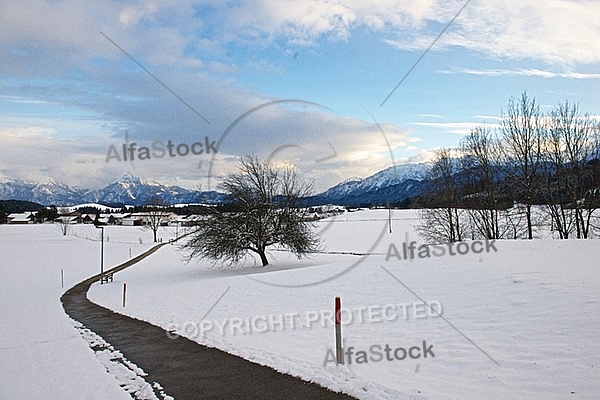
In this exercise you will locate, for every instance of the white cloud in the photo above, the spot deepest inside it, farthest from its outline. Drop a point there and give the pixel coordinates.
(523, 72)
(457, 128)
(435, 116)
(559, 32)
(33, 154)
(423, 156)
(22, 100)
(132, 14)
(323, 145)
(327, 146)
(67, 32)
(27, 133)
(488, 117)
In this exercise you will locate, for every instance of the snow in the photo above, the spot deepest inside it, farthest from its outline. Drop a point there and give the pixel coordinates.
(387, 177)
(99, 206)
(532, 307)
(129, 375)
(43, 355)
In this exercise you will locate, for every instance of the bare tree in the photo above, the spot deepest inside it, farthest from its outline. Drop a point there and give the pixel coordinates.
(557, 177)
(580, 133)
(441, 220)
(63, 221)
(522, 132)
(264, 211)
(593, 202)
(477, 148)
(513, 224)
(485, 202)
(155, 214)
(571, 177)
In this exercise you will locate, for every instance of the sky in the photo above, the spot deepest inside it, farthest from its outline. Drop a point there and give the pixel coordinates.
(338, 89)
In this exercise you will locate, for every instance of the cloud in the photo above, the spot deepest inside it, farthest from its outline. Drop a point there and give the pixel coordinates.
(265, 66)
(33, 154)
(423, 156)
(67, 32)
(456, 128)
(488, 117)
(522, 72)
(132, 14)
(22, 100)
(557, 31)
(324, 145)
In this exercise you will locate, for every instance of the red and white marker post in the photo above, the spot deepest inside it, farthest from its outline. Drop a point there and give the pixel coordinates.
(339, 351)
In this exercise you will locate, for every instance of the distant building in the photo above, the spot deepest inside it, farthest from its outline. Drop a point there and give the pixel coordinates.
(68, 219)
(187, 220)
(88, 218)
(132, 221)
(117, 218)
(73, 217)
(21, 218)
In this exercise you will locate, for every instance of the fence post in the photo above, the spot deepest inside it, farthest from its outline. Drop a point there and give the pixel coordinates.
(124, 292)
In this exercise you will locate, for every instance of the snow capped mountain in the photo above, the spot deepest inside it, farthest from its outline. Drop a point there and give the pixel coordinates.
(388, 177)
(126, 178)
(44, 193)
(125, 189)
(129, 189)
(391, 185)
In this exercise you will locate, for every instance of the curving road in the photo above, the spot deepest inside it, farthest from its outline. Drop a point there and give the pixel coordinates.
(185, 369)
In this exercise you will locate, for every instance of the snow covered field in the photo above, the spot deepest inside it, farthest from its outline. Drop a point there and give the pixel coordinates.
(42, 356)
(533, 307)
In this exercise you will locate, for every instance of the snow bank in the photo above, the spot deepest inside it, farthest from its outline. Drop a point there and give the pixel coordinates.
(532, 307)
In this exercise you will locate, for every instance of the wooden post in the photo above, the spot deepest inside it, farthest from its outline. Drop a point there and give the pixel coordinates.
(62, 278)
(124, 292)
(339, 351)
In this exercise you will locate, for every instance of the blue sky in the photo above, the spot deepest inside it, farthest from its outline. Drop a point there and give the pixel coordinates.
(67, 93)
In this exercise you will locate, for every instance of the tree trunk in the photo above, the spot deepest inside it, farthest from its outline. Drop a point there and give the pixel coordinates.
(529, 222)
(263, 257)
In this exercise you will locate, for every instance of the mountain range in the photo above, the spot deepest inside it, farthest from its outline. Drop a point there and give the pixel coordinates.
(392, 185)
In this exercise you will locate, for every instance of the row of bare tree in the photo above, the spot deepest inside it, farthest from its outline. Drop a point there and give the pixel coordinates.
(489, 186)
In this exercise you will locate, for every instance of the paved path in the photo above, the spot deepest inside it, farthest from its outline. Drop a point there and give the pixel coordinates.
(185, 369)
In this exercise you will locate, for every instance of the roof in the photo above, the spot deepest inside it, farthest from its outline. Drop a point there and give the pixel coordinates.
(67, 219)
(24, 217)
